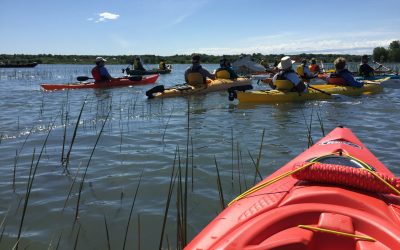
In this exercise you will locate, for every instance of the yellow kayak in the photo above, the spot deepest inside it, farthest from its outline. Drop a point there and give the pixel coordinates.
(316, 92)
(186, 89)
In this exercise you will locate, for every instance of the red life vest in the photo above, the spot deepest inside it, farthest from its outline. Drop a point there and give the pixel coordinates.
(314, 68)
(336, 80)
(96, 74)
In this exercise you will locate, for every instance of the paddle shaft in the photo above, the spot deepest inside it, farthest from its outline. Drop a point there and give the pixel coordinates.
(326, 93)
(383, 66)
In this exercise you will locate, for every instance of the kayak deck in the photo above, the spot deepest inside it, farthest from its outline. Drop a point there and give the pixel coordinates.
(275, 96)
(185, 89)
(286, 212)
(118, 82)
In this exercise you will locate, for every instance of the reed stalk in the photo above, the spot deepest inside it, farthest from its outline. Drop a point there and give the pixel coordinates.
(169, 196)
(232, 146)
(259, 159)
(130, 213)
(107, 233)
(74, 134)
(166, 126)
(139, 232)
(15, 170)
(58, 242)
(238, 166)
(321, 124)
(77, 237)
(87, 166)
(219, 185)
(72, 185)
(185, 203)
(31, 178)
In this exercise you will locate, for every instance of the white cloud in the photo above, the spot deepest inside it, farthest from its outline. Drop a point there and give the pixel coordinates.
(102, 17)
(296, 43)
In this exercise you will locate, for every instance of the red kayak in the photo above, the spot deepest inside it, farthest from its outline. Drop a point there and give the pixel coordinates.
(335, 195)
(118, 82)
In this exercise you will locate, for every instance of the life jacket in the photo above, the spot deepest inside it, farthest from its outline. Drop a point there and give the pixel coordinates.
(300, 70)
(137, 65)
(162, 66)
(335, 79)
(314, 68)
(223, 74)
(96, 74)
(281, 83)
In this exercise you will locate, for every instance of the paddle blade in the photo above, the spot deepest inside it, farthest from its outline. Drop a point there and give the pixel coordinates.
(83, 78)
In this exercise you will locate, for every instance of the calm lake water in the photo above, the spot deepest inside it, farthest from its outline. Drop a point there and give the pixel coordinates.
(143, 141)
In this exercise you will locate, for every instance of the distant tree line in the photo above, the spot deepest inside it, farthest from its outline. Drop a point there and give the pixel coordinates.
(179, 59)
(391, 54)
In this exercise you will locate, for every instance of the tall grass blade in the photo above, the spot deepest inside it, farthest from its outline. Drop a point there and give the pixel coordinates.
(130, 213)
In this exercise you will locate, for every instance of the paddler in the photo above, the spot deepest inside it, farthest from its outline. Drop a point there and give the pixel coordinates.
(100, 72)
(137, 64)
(365, 70)
(196, 75)
(225, 70)
(343, 73)
(162, 65)
(304, 72)
(314, 67)
(287, 73)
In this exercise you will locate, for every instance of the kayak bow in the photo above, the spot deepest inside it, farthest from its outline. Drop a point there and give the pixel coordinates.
(335, 195)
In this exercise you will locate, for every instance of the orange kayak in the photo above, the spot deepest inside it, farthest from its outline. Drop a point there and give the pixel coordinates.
(335, 195)
(118, 82)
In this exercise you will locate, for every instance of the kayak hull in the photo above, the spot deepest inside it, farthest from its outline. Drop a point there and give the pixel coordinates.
(280, 215)
(118, 82)
(212, 86)
(148, 72)
(276, 96)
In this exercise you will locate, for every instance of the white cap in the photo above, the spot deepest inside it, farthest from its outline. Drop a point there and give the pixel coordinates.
(100, 59)
(285, 63)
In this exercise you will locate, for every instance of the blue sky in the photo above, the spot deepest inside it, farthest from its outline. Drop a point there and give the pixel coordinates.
(169, 27)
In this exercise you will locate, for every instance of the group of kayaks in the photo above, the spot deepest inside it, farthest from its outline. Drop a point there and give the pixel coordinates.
(237, 88)
(335, 195)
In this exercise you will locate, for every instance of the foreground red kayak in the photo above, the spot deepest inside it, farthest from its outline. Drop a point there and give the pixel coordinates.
(118, 82)
(335, 195)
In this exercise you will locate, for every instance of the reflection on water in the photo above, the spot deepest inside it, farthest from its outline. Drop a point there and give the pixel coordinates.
(149, 136)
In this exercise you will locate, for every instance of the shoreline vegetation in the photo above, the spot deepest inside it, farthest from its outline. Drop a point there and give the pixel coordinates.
(155, 59)
(380, 54)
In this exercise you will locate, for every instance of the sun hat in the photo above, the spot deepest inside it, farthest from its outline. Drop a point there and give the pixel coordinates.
(100, 59)
(285, 63)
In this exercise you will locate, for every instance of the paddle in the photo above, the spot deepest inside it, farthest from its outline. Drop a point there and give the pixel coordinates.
(131, 78)
(383, 66)
(311, 87)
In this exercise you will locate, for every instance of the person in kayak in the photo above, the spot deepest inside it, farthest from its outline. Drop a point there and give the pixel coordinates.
(100, 72)
(365, 70)
(304, 72)
(162, 65)
(196, 75)
(314, 67)
(288, 75)
(137, 64)
(342, 75)
(264, 63)
(225, 70)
